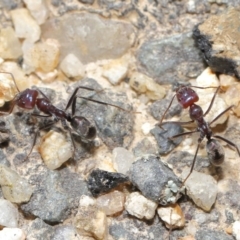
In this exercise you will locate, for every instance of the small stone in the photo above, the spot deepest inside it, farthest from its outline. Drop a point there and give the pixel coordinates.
(236, 230)
(10, 46)
(116, 70)
(72, 67)
(43, 56)
(155, 180)
(8, 214)
(122, 160)
(145, 146)
(112, 202)
(12, 234)
(100, 181)
(172, 216)
(226, 81)
(15, 188)
(144, 84)
(207, 78)
(139, 206)
(38, 10)
(163, 136)
(203, 193)
(66, 232)
(25, 26)
(7, 88)
(90, 219)
(55, 150)
(48, 77)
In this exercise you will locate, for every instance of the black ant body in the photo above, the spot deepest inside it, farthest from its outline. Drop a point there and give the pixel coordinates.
(187, 97)
(29, 99)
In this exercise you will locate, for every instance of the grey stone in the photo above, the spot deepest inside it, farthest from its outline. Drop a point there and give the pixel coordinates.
(87, 1)
(144, 147)
(114, 125)
(55, 194)
(209, 234)
(164, 59)
(39, 230)
(66, 232)
(82, 34)
(155, 180)
(163, 136)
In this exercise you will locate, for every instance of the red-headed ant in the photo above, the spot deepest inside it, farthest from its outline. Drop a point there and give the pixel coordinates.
(29, 99)
(187, 97)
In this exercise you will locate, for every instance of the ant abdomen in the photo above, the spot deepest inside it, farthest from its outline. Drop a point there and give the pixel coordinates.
(215, 152)
(83, 127)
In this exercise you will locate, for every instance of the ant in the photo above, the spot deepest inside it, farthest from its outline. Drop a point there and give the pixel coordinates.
(187, 97)
(29, 99)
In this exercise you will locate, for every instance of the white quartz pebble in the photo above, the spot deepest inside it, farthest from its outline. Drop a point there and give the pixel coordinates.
(12, 234)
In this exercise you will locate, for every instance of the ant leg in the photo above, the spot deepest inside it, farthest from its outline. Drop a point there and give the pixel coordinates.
(179, 123)
(75, 93)
(36, 134)
(183, 134)
(210, 106)
(220, 114)
(12, 78)
(160, 122)
(228, 142)
(194, 161)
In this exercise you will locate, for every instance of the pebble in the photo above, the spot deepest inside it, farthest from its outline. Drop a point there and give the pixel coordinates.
(90, 219)
(203, 193)
(7, 88)
(8, 214)
(55, 150)
(209, 234)
(145, 146)
(10, 46)
(172, 216)
(66, 232)
(38, 10)
(155, 180)
(25, 26)
(139, 206)
(15, 188)
(42, 56)
(56, 195)
(72, 67)
(144, 84)
(112, 202)
(166, 145)
(232, 97)
(236, 230)
(86, 30)
(116, 70)
(12, 234)
(100, 181)
(122, 160)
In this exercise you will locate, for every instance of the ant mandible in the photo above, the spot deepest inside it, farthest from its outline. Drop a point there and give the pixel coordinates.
(29, 98)
(187, 97)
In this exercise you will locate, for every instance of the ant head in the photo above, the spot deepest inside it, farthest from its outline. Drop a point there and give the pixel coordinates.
(83, 128)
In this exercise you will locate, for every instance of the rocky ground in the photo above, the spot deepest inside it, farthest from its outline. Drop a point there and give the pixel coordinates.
(125, 182)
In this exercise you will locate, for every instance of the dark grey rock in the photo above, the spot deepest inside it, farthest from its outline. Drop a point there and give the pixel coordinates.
(209, 234)
(220, 53)
(39, 230)
(144, 147)
(87, 1)
(3, 159)
(155, 180)
(100, 181)
(55, 195)
(56, 3)
(114, 125)
(232, 196)
(229, 217)
(132, 229)
(11, 4)
(168, 60)
(158, 108)
(179, 160)
(162, 136)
